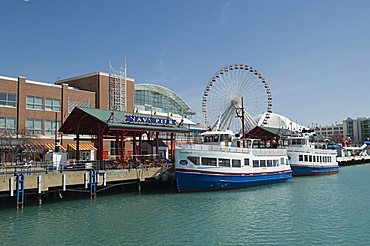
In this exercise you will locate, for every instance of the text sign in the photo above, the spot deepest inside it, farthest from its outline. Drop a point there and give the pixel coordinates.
(149, 120)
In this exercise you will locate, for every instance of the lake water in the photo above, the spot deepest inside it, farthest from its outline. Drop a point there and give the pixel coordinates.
(322, 210)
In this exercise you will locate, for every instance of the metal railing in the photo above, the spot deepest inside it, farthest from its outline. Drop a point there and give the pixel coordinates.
(257, 152)
(50, 167)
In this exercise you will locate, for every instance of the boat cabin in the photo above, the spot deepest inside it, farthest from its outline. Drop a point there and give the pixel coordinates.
(295, 141)
(221, 138)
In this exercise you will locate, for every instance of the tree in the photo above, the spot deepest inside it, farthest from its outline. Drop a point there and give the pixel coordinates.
(11, 144)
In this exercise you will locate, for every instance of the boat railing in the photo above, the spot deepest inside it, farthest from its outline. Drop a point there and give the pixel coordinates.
(312, 151)
(256, 152)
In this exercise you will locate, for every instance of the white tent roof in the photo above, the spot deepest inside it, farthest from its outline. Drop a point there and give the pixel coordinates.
(279, 121)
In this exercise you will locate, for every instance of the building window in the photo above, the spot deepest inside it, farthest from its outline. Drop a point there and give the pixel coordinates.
(34, 126)
(34, 102)
(7, 99)
(7, 124)
(52, 104)
(51, 127)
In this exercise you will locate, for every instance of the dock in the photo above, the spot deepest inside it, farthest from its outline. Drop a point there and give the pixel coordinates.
(17, 182)
(353, 160)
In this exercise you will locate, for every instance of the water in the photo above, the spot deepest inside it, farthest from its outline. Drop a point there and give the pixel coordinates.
(323, 210)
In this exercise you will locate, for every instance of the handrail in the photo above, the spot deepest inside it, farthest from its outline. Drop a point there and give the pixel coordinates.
(257, 152)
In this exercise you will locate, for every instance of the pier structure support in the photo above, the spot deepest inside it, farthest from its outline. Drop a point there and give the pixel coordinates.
(172, 146)
(122, 147)
(39, 190)
(11, 186)
(139, 186)
(157, 144)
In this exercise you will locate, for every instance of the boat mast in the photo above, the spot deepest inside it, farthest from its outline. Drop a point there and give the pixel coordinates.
(243, 134)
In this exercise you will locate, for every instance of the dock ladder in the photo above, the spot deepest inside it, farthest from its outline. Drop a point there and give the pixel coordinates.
(20, 190)
(93, 183)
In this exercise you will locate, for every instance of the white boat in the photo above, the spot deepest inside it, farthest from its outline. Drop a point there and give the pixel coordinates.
(218, 164)
(306, 160)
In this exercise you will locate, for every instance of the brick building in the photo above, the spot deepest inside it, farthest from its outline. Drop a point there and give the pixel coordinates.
(37, 109)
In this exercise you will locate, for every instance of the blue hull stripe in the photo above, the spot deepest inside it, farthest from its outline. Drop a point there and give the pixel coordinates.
(187, 181)
(301, 170)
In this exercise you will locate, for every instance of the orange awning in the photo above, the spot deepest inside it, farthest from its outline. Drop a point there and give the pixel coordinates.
(82, 147)
(40, 147)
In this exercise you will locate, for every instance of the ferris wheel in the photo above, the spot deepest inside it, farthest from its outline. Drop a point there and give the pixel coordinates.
(227, 89)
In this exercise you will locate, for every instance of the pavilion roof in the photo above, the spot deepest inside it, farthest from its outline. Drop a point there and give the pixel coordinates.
(91, 119)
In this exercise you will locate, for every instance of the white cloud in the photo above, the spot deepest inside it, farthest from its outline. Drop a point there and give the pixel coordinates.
(222, 18)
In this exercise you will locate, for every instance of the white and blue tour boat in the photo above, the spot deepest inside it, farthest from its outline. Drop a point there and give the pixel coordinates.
(218, 164)
(305, 159)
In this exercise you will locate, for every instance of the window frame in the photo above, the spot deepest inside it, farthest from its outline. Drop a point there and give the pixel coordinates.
(7, 101)
(33, 105)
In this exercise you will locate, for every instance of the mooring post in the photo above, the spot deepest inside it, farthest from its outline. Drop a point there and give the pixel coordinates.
(139, 186)
(105, 179)
(11, 186)
(39, 189)
(85, 179)
(64, 182)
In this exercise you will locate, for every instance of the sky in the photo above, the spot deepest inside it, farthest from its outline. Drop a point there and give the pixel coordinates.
(314, 54)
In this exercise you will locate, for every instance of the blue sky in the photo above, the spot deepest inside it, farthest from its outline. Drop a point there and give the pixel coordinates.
(314, 54)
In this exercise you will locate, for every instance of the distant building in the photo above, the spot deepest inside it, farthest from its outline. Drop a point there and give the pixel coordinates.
(330, 131)
(358, 130)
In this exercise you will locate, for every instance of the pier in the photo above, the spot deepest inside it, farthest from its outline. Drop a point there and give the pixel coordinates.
(18, 182)
(353, 160)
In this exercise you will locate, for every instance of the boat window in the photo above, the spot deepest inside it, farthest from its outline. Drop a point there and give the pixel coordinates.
(206, 161)
(305, 157)
(246, 162)
(225, 137)
(262, 163)
(194, 159)
(329, 158)
(320, 157)
(211, 139)
(310, 158)
(236, 163)
(275, 163)
(300, 157)
(269, 163)
(224, 162)
(314, 158)
(282, 161)
(256, 163)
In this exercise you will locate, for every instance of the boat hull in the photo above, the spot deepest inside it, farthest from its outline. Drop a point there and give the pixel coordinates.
(306, 170)
(190, 181)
